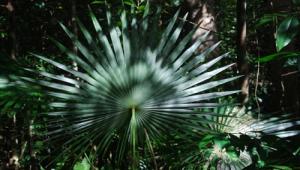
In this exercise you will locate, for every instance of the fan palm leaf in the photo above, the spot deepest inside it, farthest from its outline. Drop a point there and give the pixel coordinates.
(236, 121)
(129, 83)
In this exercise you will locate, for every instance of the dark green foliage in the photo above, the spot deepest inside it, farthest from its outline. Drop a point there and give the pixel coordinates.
(142, 95)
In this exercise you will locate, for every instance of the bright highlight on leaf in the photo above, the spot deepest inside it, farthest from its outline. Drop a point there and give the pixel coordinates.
(237, 121)
(287, 30)
(83, 165)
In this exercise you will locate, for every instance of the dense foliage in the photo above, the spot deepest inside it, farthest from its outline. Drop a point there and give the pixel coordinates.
(128, 84)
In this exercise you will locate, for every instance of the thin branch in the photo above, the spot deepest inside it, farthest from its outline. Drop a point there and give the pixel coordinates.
(195, 24)
(256, 89)
(258, 71)
(289, 73)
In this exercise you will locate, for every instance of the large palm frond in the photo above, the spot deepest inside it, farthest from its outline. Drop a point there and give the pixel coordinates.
(129, 83)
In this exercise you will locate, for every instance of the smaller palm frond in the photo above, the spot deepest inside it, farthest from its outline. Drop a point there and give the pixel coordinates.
(236, 120)
(14, 92)
(4, 84)
(11, 95)
(239, 136)
(220, 153)
(129, 83)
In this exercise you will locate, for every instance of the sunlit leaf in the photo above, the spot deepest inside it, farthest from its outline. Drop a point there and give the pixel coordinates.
(83, 165)
(287, 30)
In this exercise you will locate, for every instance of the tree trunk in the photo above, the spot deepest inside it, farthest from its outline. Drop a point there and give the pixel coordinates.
(74, 29)
(12, 29)
(242, 60)
(201, 13)
(13, 162)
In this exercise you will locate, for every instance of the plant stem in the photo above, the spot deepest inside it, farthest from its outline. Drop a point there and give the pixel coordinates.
(151, 149)
(133, 138)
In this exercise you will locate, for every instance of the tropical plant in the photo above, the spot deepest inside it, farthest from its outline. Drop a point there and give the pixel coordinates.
(242, 140)
(287, 31)
(237, 121)
(20, 104)
(221, 152)
(133, 85)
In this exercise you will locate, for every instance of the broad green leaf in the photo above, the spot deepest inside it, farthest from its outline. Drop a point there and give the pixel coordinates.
(287, 30)
(83, 165)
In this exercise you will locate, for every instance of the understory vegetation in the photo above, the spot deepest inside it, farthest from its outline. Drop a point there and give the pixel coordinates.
(136, 84)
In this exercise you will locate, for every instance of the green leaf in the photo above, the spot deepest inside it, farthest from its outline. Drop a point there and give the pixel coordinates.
(129, 3)
(221, 143)
(297, 151)
(260, 164)
(265, 20)
(280, 167)
(98, 2)
(83, 165)
(205, 141)
(232, 155)
(287, 30)
(274, 56)
(268, 18)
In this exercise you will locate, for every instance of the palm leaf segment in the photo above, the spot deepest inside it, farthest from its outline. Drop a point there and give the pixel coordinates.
(237, 121)
(129, 84)
(14, 94)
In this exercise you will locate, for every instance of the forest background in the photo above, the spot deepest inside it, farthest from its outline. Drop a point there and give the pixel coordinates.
(262, 36)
